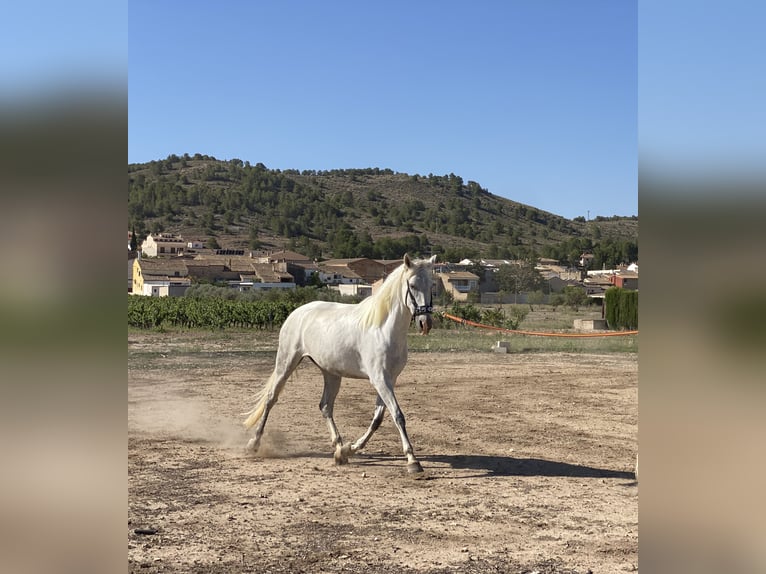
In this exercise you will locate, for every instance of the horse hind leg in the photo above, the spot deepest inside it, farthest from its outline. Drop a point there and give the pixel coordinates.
(269, 395)
(377, 418)
(326, 406)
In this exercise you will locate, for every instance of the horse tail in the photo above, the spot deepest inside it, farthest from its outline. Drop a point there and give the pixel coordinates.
(261, 399)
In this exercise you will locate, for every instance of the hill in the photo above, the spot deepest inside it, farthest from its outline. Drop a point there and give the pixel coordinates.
(369, 212)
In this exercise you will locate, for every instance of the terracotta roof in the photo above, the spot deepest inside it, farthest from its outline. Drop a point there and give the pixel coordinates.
(267, 273)
(287, 256)
(340, 262)
(162, 267)
(460, 275)
(558, 268)
(307, 265)
(341, 270)
(389, 261)
(597, 280)
(243, 266)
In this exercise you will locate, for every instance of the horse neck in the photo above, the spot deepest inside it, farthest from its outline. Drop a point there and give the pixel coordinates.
(401, 313)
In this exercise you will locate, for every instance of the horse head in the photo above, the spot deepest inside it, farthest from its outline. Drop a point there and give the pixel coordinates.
(419, 284)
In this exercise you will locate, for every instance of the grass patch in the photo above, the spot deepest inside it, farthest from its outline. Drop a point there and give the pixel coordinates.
(149, 345)
(465, 339)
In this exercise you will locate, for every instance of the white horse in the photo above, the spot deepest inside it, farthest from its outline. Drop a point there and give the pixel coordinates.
(363, 341)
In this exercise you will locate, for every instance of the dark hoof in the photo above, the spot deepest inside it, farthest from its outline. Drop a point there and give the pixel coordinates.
(340, 460)
(414, 468)
(341, 455)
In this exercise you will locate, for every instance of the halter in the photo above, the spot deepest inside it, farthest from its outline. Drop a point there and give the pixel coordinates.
(420, 309)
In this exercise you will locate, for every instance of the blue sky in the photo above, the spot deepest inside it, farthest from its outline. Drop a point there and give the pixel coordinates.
(535, 101)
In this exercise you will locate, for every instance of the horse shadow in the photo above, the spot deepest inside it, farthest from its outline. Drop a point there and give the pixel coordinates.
(509, 466)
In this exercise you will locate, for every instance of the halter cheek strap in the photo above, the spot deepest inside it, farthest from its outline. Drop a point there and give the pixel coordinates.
(420, 309)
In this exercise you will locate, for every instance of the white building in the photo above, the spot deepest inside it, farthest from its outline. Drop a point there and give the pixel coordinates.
(163, 245)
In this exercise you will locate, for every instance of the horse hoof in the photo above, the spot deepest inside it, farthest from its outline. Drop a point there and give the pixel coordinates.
(414, 468)
(252, 446)
(341, 456)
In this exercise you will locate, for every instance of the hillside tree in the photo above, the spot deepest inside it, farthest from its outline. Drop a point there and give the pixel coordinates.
(519, 277)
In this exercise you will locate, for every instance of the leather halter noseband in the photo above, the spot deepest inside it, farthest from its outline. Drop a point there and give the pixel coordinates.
(420, 309)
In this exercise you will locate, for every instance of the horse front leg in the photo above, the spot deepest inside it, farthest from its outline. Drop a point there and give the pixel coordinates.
(386, 393)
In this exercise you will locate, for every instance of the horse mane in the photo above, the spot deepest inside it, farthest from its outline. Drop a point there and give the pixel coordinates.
(375, 309)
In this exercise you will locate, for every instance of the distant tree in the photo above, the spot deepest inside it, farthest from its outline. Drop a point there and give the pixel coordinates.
(535, 298)
(556, 300)
(445, 298)
(347, 199)
(254, 241)
(133, 240)
(314, 280)
(212, 243)
(621, 308)
(519, 277)
(366, 245)
(455, 254)
(575, 297)
(208, 221)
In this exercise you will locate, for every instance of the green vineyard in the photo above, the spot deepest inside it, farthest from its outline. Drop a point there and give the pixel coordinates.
(213, 313)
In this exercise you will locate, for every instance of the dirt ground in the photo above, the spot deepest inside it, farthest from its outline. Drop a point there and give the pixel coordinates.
(529, 463)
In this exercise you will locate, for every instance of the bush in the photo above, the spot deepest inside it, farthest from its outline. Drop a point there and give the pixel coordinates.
(621, 308)
(468, 312)
(492, 317)
(574, 297)
(518, 314)
(556, 300)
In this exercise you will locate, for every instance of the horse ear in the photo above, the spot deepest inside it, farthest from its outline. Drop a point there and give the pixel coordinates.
(407, 261)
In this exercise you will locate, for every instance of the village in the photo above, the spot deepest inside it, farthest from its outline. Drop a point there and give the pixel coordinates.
(167, 265)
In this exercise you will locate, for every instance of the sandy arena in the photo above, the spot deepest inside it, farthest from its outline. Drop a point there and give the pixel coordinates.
(528, 461)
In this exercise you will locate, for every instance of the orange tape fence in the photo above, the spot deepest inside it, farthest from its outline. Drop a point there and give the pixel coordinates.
(536, 333)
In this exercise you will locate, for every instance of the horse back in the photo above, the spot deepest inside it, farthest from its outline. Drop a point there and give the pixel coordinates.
(331, 334)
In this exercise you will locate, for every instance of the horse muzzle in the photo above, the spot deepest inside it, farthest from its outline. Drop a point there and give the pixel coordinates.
(424, 323)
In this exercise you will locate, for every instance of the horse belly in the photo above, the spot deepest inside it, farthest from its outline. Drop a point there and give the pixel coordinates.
(334, 348)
